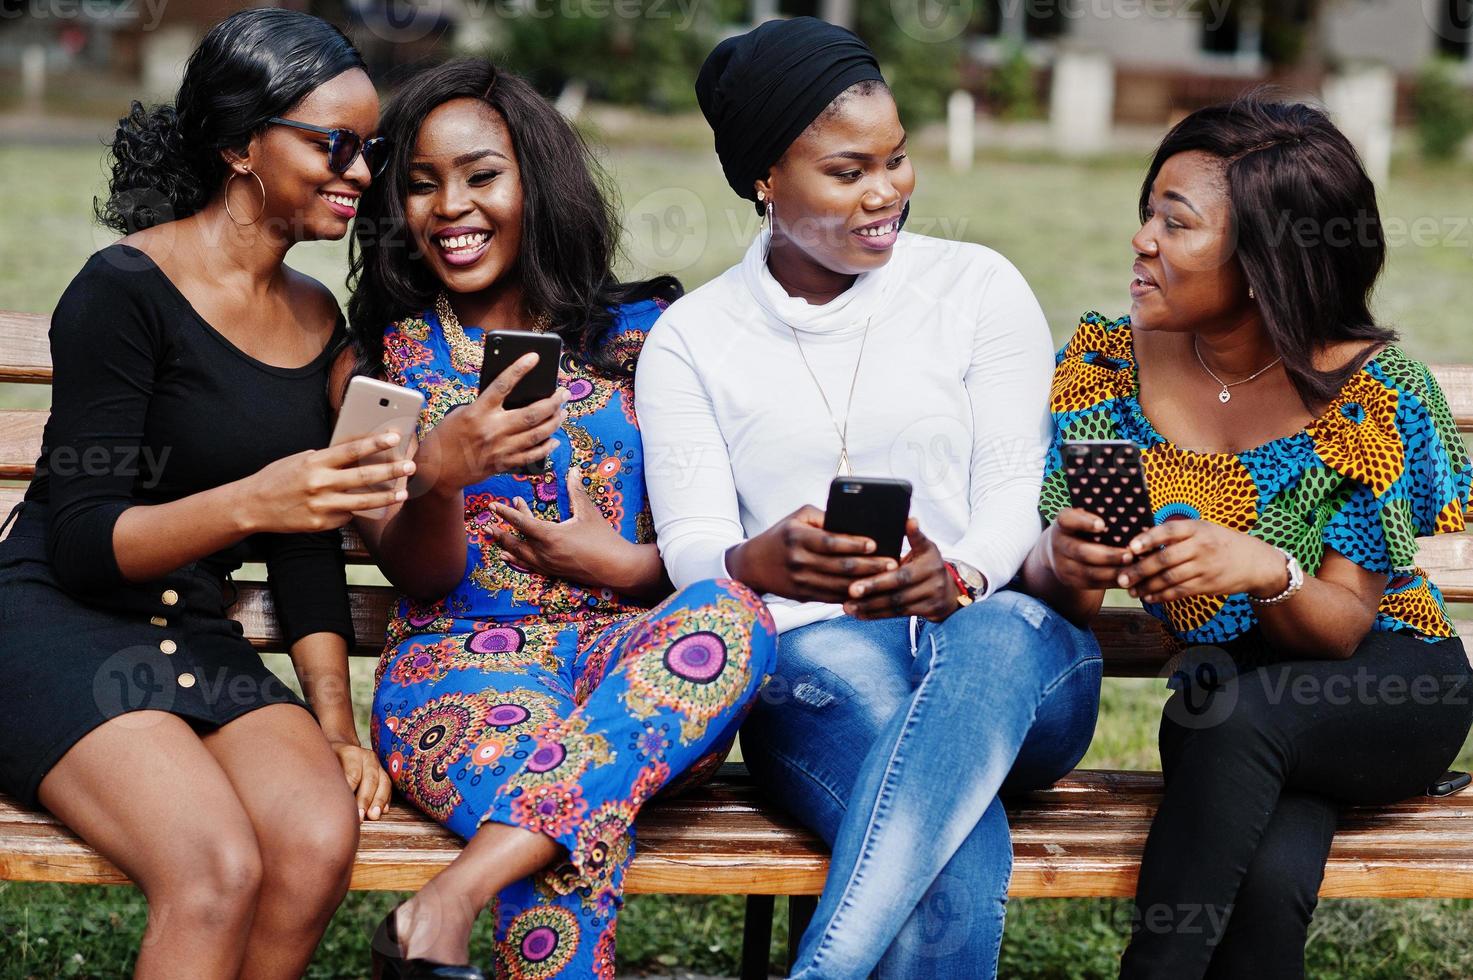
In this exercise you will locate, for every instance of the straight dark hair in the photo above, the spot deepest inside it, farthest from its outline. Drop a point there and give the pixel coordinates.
(1309, 234)
(569, 226)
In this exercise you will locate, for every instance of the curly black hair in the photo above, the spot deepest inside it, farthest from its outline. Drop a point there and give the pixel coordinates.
(166, 159)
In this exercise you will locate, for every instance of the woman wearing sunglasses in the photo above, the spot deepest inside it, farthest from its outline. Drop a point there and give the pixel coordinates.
(188, 418)
(343, 146)
(540, 682)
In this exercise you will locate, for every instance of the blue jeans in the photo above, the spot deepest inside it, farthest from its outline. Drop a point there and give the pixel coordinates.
(897, 762)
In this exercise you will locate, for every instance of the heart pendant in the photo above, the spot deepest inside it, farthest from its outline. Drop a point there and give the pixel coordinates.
(1224, 396)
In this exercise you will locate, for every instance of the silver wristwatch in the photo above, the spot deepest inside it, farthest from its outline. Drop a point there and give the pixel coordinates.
(1296, 582)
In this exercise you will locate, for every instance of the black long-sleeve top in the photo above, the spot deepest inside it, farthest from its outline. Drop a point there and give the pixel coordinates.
(150, 404)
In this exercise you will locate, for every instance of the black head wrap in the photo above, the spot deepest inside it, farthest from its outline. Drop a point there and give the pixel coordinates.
(761, 89)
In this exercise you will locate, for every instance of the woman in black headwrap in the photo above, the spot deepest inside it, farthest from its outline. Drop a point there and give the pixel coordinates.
(906, 693)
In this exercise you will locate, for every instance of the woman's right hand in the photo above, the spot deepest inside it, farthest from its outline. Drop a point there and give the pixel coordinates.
(796, 558)
(1077, 561)
(483, 438)
(319, 489)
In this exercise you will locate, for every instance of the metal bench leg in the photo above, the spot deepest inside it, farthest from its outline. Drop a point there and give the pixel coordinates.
(800, 913)
(757, 937)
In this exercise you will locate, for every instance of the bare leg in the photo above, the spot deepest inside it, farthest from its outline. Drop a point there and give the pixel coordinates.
(436, 923)
(306, 824)
(146, 794)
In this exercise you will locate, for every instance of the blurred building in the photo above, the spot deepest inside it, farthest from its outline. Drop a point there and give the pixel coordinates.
(1172, 56)
(145, 42)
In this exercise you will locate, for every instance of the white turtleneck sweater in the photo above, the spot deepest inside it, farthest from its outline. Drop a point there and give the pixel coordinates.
(952, 395)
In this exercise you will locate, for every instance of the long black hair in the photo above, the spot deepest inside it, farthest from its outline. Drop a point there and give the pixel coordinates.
(166, 160)
(569, 226)
(1309, 234)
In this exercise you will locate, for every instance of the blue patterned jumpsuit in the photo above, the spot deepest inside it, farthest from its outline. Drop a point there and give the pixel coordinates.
(535, 702)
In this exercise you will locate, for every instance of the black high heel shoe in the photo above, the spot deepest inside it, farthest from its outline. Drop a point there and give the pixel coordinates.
(389, 962)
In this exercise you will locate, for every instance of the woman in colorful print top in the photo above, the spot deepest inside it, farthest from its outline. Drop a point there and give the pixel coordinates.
(1381, 466)
(533, 693)
(1292, 458)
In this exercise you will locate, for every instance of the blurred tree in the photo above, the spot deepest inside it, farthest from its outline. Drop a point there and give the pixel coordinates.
(919, 54)
(649, 59)
(1443, 110)
(1012, 86)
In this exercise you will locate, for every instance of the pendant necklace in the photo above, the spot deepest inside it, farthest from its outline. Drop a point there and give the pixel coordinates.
(843, 430)
(1225, 395)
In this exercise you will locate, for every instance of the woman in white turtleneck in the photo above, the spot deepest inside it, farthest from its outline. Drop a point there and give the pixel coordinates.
(905, 697)
(949, 360)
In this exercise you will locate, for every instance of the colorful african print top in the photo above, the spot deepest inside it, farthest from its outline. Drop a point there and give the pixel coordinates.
(599, 439)
(1383, 465)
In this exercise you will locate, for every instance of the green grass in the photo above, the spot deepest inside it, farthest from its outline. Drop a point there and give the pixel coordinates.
(1067, 226)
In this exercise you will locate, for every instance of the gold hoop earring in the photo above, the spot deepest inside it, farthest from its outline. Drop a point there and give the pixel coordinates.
(259, 183)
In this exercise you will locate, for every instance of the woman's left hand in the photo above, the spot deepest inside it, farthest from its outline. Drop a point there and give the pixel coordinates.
(1186, 558)
(921, 586)
(584, 548)
(366, 778)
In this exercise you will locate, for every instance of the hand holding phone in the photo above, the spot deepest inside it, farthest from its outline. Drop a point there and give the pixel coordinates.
(485, 438)
(798, 559)
(1084, 548)
(505, 347)
(371, 407)
(320, 489)
(1106, 479)
(923, 585)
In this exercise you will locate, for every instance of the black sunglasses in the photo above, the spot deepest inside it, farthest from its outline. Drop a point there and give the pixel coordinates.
(344, 145)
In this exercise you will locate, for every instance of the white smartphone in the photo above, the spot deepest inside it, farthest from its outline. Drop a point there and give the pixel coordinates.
(373, 406)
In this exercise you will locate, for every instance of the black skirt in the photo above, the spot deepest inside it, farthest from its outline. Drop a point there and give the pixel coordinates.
(69, 664)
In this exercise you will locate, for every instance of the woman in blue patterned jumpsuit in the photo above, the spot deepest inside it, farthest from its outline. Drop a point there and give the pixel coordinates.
(533, 704)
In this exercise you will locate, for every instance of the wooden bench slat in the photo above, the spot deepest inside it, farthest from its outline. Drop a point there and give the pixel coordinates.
(1456, 382)
(21, 430)
(25, 354)
(1131, 639)
(1448, 558)
(370, 606)
(1080, 838)
(1065, 845)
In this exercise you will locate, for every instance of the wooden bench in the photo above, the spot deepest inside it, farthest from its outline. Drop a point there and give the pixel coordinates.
(1081, 838)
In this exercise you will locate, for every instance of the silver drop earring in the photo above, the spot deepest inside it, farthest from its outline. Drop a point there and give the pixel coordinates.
(771, 231)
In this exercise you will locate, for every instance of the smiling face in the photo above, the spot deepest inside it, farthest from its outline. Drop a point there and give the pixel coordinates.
(839, 190)
(463, 204)
(304, 197)
(1187, 276)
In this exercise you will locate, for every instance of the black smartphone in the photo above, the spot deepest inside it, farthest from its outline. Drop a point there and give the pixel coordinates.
(1105, 477)
(1449, 783)
(504, 347)
(872, 507)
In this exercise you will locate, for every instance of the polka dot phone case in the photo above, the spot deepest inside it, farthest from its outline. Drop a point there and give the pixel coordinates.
(1106, 479)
